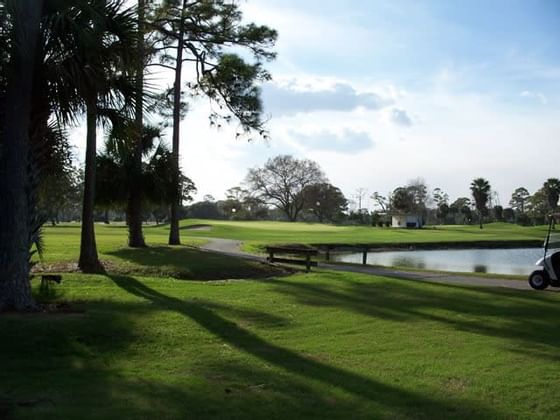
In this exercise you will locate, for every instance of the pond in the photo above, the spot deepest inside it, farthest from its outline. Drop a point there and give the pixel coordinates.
(519, 261)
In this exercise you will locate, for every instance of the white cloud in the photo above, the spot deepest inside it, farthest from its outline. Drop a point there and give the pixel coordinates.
(535, 95)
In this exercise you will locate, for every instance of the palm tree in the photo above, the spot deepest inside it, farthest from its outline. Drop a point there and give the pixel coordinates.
(49, 97)
(115, 179)
(84, 56)
(115, 165)
(16, 214)
(57, 175)
(134, 203)
(480, 189)
(519, 198)
(61, 79)
(102, 56)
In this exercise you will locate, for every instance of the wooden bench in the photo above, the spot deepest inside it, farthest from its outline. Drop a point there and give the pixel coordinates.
(291, 251)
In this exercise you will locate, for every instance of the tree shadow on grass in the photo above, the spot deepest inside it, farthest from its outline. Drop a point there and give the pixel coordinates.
(58, 366)
(521, 317)
(190, 263)
(394, 400)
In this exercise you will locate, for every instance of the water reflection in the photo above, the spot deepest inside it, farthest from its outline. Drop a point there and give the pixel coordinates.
(408, 262)
(500, 261)
(479, 268)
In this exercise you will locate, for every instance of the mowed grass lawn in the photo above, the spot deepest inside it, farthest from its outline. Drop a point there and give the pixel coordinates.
(63, 241)
(62, 245)
(317, 345)
(257, 234)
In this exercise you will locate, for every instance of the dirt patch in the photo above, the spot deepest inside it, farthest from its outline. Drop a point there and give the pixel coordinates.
(68, 267)
(456, 385)
(57, 267)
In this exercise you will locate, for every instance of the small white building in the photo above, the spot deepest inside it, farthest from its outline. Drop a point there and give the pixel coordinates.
(403, 220)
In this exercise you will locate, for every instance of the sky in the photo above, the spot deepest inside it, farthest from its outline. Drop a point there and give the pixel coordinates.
(379, 93)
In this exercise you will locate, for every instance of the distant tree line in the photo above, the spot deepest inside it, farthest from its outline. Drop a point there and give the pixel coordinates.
(286, 188)
(481, 207)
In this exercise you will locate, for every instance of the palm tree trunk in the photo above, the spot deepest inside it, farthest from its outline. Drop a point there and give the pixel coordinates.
(89, 260)
(15, 290)
(134, 217)
(134, 203)
(174, 235)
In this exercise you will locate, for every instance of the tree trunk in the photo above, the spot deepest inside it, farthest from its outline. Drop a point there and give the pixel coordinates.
(134, 203)
(174, 235)
(15, 217)
(134, 219)
(89, 260)
(288, 211)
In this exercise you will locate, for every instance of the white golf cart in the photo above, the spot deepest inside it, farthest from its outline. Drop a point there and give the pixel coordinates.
(548, 271)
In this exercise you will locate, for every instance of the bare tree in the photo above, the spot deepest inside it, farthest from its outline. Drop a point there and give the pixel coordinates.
(282, 180)
(360, 195)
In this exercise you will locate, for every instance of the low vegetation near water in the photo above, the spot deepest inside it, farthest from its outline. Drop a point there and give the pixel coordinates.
(318, 345)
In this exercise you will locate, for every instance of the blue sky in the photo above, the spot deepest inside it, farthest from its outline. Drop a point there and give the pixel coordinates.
(383, 92)
(410, 40)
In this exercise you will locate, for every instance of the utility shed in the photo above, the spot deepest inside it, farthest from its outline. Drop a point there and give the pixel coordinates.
(412, 221)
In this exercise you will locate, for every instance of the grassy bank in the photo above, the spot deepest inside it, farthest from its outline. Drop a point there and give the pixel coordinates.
(63, 241)
(257, 234)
